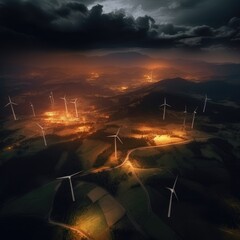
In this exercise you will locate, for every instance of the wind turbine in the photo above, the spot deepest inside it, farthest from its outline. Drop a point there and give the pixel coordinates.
(184, 118)
(164, 105)
(172, 190)
(51, 94)
(65, 102)
(194, 115)
(205, 102)
(75, 105)
(33, 111)
(69, 177)
(11, 105)
(115, 136)
(43, 134)
(51, 101)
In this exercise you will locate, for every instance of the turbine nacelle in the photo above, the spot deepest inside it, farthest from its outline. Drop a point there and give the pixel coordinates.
(195, 111)
(69, 177)
(115, 136)
(172, 192)
(10, 102)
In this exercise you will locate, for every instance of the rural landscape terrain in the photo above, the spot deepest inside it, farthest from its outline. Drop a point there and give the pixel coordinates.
(124, 195)
(119, 120)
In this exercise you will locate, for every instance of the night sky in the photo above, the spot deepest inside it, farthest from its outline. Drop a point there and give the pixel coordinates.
(191, 25)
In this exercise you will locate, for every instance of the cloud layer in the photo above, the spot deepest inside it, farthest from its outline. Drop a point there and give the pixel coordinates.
(74, 25)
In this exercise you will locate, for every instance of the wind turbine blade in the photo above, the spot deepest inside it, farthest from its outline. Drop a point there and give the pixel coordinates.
(196, 109)
(74, 174)
(118, 131)
(170, 189)
(162, 105)
(7, 104)
(111, 136)
(168, 105)
(119, 139)
(59, 178)
(175, 182)
(175, 195)
(39, 125)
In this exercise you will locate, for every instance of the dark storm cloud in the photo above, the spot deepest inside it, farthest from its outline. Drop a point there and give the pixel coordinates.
(71, 24)
(68, 8)
(209, 12)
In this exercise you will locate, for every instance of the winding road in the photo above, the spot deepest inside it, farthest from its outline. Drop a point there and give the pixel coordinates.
(110, 168)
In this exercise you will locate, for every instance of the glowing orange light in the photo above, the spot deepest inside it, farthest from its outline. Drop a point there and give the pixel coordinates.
(148, 78)
(8, 148)
(59, 117)
(123, 88)
(162, 139)
(84, 129)
(94, 76)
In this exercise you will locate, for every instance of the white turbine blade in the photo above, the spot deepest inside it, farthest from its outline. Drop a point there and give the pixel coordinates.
(65, 177)
(162, 105)
(118, 131)
(112, 136)
(168, 105)
(196, 109)
(74, 174)
(7, 104)
(119, 139)
(13, 103)
(39, 125)
(175, 182)
(175, 195)
(170, 189)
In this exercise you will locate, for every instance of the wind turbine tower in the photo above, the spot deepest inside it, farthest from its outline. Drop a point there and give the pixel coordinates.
(43, 134)
(172, 190)
(194, 115)
(65, 103)
(51, 94)
(115, 136)
(164, 105)
(51, 101)
(75, 105)
(205, 102)
(11, 105)
(184, 118)
(33, 110)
